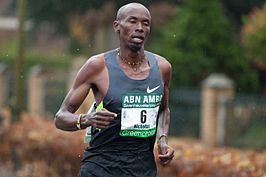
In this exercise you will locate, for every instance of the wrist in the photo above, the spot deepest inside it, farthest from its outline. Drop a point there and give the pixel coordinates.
(79, 121)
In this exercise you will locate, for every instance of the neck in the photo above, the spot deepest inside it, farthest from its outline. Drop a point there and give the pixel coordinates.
(134, 60)
(133, 56)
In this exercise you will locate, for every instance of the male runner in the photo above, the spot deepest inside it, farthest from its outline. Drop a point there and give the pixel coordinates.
(133, 86)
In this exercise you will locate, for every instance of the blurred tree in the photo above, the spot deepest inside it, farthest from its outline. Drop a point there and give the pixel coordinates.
(238, 8)
(254, 41)
(57, 11)
(19, 77)
(60, 12)
(199, 41)
(161, 13)
(82, 22)
(254, 37)
(84, 29)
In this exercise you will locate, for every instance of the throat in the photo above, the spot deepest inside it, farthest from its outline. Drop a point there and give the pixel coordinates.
(134, 72)
(134, 65)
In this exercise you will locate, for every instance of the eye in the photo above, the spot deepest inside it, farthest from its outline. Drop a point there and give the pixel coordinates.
(146, 23)
(132, 21)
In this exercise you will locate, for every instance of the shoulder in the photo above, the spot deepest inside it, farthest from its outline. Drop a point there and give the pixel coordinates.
(95, 62)
(165, 67)
(163, 63)
(92, 68)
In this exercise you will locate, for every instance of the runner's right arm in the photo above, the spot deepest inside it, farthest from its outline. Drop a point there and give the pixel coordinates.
(65, 118)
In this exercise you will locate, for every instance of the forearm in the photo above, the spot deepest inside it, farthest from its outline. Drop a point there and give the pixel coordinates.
(66, 121)
(163, 124)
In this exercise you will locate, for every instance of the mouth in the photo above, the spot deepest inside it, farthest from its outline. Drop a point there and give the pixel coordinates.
(137, 38)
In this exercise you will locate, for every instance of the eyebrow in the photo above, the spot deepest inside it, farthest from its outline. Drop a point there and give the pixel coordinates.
(134, 17)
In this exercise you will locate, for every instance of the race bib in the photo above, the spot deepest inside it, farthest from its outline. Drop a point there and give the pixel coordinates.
(139, 114)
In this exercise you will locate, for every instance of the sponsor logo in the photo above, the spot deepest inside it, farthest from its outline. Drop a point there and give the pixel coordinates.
(153, 89)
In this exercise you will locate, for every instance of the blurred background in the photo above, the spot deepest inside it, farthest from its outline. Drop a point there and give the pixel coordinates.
(217, 49)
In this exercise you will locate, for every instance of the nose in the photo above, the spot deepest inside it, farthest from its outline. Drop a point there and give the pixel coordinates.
(139, 27)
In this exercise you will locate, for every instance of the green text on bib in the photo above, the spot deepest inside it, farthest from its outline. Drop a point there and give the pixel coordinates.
(139, 114)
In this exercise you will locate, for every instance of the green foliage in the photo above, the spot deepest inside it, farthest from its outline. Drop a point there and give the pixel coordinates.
(256, 44)
(58, 12)
(47, 60)
(199, 41)
(239, 7)
(254, 136)
(254, 36)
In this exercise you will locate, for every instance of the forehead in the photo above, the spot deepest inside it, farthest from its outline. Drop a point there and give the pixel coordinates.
(134, 11)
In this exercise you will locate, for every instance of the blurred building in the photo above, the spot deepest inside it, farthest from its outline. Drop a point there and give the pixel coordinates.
(7, 23)
(3, 6)
(43, 41)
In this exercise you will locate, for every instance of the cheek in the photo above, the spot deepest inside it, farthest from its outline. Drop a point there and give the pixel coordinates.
(127, 27)
(147, 30)
(125, 31)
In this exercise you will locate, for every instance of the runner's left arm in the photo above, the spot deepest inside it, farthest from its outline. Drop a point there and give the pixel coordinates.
(165, 152)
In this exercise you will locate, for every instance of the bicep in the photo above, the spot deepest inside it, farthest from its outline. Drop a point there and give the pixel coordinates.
(75, 97)
(79, 90)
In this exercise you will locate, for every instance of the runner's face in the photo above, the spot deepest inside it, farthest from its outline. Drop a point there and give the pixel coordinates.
(134, 28)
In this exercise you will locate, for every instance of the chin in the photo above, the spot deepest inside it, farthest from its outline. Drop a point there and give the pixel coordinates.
(134, 47)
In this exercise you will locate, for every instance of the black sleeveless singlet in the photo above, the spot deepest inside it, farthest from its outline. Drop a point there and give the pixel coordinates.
(114, 152)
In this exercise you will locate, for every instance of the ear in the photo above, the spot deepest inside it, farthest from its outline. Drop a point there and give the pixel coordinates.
(116, 26)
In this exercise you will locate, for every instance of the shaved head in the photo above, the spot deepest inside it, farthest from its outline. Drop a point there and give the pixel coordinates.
(122, 12)
(132, 24)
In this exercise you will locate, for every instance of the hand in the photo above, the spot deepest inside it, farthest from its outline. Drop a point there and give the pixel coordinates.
(165, 153)
(100, 119)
